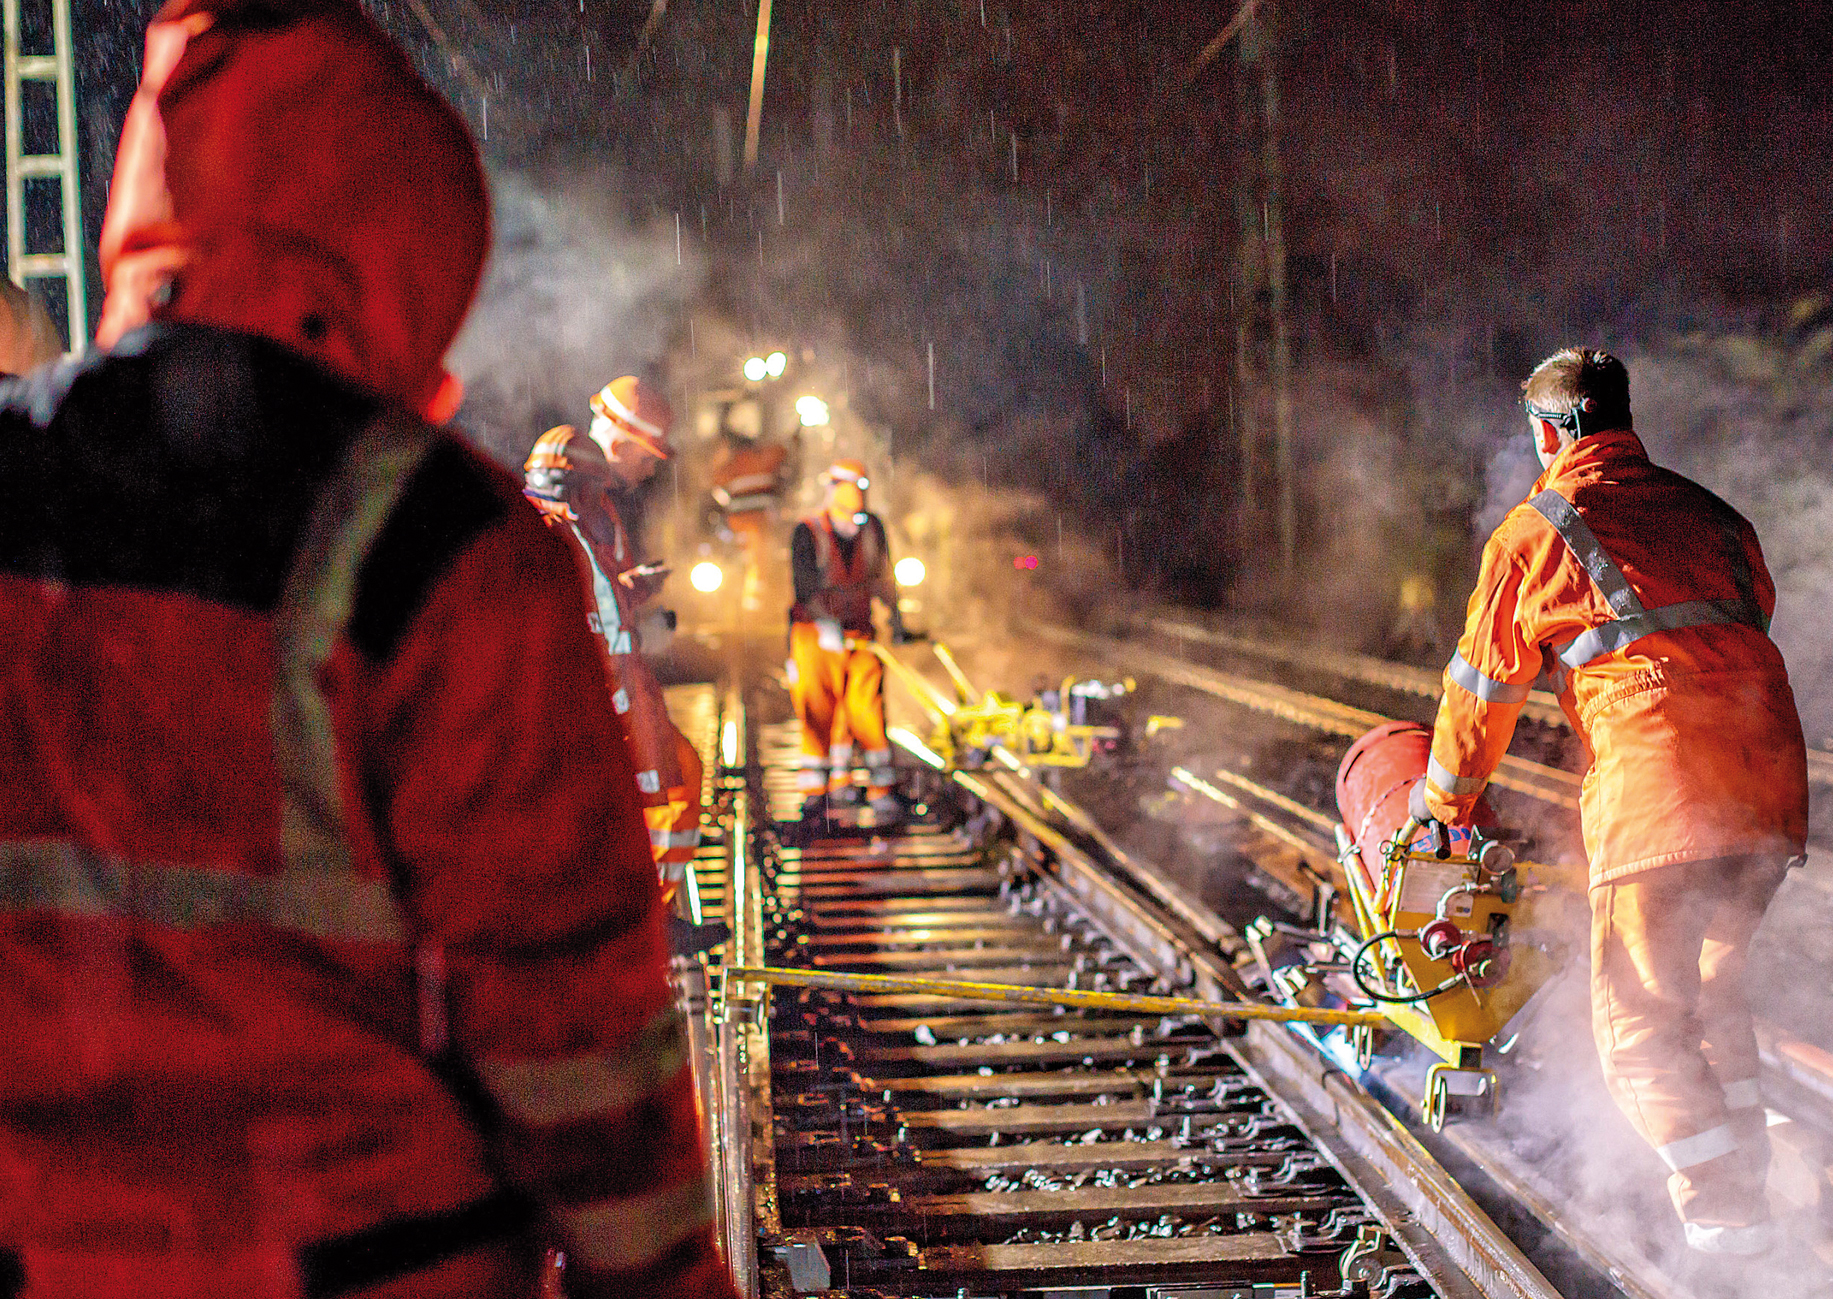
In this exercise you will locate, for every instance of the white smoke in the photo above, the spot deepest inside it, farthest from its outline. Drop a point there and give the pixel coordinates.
(577, 292)
(1743, 418)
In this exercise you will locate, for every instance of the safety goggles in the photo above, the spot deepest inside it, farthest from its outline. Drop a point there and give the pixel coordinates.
(1560, 419)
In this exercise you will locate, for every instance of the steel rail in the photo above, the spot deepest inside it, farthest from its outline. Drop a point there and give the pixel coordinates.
(1549, 784)
(961, 990)
(1541, 706)
(1369, 1146)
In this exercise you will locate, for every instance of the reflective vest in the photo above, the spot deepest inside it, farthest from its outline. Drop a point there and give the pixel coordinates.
(847, 582)
(565, 481)
(1645, 600)
(749, 479)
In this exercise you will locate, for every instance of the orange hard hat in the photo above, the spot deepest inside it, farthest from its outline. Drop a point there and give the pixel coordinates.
(638, 412)
(283, 171)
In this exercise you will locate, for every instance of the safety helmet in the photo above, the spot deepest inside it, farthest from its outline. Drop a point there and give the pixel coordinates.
(636, 411)
(848, 480)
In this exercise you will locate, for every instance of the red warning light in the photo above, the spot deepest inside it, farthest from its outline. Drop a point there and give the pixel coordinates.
(1025, 561)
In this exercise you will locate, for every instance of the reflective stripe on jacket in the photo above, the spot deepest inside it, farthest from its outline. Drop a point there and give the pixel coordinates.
(1645, 600)
(575, 473)
(286, 815)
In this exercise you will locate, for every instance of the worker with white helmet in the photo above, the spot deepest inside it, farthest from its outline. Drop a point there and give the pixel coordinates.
(840, 561)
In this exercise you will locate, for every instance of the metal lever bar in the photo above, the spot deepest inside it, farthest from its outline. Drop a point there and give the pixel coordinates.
(950, 988)
(963, 687)
(926, 694)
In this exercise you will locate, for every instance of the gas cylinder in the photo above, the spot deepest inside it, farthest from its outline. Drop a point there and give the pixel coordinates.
(1373, 783)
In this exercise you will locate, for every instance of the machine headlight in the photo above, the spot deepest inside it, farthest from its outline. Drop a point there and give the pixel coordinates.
(706, 576)
(756, 368)
(910, 571)
(775, 364)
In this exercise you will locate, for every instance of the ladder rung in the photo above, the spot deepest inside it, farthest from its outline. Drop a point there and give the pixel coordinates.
(38, 67)
(41, 164)
(44, 264)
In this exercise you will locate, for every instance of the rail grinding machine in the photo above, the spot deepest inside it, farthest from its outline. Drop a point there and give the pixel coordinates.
(1441, 931)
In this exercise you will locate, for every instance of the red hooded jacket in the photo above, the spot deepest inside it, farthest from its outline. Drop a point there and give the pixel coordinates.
(328, 967)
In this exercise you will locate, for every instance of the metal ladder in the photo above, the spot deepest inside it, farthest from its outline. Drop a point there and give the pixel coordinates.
(56, 68)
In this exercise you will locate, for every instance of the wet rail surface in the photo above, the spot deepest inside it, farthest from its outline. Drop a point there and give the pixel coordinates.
(902, 1144)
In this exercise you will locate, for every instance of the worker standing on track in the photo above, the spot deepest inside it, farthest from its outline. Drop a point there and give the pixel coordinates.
(570, 479)
(1645, 599)
(333, 957)
(747, 486)
(840, 561)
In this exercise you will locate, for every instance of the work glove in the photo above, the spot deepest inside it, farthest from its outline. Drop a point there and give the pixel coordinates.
(1417, 805)
(1421, 811)
(829, 635)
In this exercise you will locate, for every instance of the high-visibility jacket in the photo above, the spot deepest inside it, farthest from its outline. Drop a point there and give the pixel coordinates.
(838, 579)
(569, 482)
(748, 478)
(326, 917)
(1645, 600)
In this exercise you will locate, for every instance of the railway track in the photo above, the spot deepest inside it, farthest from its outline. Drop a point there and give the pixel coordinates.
(903, 1143)
(1290, 844)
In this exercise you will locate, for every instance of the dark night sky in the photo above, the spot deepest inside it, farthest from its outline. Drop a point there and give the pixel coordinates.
(1466, 186)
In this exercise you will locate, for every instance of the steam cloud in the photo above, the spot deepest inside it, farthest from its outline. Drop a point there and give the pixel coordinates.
(578, 291)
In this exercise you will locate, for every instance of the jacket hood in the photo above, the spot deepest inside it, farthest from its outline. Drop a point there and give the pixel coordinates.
(284, 172)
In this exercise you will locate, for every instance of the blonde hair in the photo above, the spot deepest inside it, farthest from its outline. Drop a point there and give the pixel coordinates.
(1583, 381)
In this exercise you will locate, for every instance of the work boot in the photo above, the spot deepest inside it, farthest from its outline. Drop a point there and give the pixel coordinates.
(887, 809)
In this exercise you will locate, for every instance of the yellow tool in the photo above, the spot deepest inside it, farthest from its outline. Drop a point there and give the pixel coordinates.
(1041, 733)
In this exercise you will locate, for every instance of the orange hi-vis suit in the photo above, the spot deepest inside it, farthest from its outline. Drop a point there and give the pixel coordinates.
(1646, 601)
(839, 688)
(335, 964)
(747, 483)
(567, 479)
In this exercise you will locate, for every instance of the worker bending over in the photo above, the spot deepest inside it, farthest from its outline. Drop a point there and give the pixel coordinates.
(840, 561)
(1645, 600)
(334, 962)
(571, 479)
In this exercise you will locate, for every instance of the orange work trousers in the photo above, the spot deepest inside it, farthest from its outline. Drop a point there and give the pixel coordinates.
(839, 697)
(674, 825)
(1675, 1034)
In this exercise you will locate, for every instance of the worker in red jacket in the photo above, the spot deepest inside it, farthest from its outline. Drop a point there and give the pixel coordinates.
(333, 955)
(1646, 600)
(571, 479)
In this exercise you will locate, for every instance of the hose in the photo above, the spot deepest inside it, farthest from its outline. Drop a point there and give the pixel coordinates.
(1355, 972)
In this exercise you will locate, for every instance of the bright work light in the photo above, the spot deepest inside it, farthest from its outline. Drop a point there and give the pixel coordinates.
(910, 571)
(706, 576)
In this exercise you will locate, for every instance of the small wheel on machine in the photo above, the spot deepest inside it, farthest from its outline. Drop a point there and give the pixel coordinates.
(1438, 1104)
(1362, 1042)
